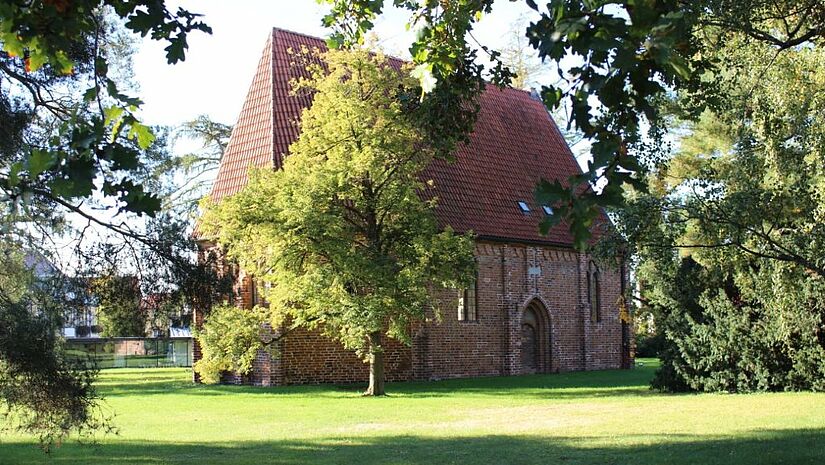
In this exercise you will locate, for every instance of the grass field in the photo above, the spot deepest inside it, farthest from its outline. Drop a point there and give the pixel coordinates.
(605, 417)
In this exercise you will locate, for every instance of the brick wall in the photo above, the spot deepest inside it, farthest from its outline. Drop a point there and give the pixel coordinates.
(308, 357)
(511, 277)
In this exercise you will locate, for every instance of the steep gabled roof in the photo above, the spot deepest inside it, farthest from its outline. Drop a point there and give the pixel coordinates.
(515, 143)
(251, 143)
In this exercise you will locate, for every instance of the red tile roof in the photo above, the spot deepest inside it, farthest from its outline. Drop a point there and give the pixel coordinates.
(515, 143)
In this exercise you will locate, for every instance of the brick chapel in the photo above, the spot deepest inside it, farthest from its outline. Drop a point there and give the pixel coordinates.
(538, 305)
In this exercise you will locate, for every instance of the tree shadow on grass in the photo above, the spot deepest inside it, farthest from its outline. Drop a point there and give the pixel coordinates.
(799, 446)
(577, 385)
(543, 386)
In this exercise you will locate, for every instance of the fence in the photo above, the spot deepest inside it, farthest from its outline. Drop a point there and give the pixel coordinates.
(131, 352)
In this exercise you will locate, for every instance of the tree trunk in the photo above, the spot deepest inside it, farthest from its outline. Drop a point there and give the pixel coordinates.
(376, 387)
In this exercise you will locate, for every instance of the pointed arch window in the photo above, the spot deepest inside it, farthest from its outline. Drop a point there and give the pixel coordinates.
(594, 292)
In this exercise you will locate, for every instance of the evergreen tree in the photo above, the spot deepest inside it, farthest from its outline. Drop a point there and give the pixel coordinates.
(730, 231)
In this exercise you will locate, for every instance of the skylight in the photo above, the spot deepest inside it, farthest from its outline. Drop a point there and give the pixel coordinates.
(523, 206)
(548, 210)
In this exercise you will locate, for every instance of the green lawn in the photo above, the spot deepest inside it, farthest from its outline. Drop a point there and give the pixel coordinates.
(598, 417)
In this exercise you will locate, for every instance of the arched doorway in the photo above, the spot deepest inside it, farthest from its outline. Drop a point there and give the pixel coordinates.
(529, 341)
(535, 339)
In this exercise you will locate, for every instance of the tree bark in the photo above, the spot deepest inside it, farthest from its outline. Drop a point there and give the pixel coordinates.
(376, 358)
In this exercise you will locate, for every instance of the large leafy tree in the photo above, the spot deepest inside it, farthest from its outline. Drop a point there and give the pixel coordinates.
(626, 55)
(344, 235)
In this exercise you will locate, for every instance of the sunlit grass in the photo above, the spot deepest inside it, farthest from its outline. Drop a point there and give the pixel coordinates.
(577, 418)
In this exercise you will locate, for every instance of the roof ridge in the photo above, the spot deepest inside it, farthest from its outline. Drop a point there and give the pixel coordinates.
(290, 31)
(310, 36)
(274, 158)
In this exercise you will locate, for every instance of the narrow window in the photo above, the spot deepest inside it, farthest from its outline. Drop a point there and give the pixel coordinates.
(254, 298)
(594, 292)
(522, 205)
(468, 302)
(547, 210)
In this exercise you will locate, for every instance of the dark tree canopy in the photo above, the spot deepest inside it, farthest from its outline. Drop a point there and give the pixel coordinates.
(54, 59)
(71, 148)
(41, 391)
(119, 307)
(729, 231)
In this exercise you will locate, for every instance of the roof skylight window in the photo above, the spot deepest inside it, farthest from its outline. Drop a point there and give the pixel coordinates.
(547, 210)
(523, 206)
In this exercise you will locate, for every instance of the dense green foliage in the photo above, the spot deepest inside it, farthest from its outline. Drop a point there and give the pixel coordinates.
(42, 392)
(75, 161)
(730, 235)
(730, 333)
(118, 306)
(344, 236)
(92, 134)
(572, 418)
(230, 340)
(648, 344)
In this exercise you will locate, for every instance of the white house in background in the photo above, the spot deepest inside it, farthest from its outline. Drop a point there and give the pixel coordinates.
(80, 313)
